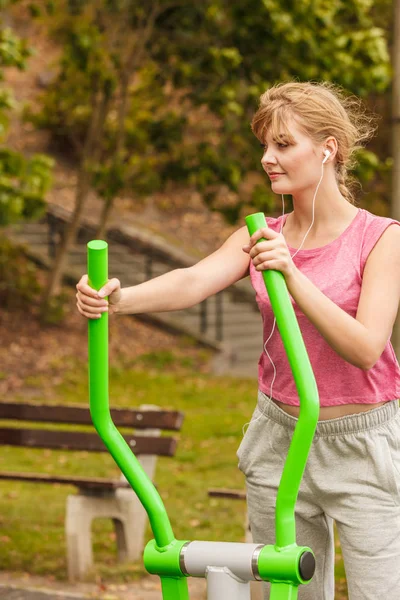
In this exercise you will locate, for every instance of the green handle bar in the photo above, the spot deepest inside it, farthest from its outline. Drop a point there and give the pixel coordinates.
(308, 393)
(100, 411)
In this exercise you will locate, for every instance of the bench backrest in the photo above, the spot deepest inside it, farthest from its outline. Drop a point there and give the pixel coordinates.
(13, 435)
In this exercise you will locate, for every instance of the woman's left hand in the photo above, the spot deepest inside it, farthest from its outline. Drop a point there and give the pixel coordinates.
(271, 254)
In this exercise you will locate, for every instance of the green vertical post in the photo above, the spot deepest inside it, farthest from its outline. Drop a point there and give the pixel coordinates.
(296, 459)
(284, 591)
(174, 588)
(174, 583)
(100, 411)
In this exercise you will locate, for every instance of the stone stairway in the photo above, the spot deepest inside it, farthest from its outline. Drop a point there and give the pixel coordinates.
(228, 322)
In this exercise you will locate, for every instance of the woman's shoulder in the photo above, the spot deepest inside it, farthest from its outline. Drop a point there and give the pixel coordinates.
(371, 220)
(373, 227)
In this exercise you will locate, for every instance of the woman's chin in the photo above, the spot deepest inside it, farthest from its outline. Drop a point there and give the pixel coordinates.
(279, 188)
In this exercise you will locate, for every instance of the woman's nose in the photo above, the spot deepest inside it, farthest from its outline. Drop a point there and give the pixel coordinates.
(268, 159)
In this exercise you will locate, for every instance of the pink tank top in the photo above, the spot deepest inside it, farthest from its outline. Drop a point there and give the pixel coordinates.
(337, 270)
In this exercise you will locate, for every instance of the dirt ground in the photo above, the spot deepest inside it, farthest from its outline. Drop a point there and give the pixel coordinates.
(29, 349)
(27, 587)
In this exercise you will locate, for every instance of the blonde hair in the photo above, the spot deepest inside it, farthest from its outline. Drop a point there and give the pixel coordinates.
(321, 110)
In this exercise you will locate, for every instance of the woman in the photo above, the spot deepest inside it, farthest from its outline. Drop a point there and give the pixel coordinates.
(341, 265)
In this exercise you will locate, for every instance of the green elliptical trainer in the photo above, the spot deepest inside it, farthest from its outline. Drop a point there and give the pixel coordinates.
(228, 567)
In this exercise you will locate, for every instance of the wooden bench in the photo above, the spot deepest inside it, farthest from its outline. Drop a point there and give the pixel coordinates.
(233, 495)
(97, 496)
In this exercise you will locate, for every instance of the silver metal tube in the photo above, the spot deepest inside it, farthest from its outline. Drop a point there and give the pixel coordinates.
(222, 584)
(197, 557)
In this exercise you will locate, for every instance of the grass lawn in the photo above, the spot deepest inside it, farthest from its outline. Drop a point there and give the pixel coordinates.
(216, 408)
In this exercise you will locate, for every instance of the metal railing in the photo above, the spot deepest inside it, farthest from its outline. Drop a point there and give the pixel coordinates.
(57, 219)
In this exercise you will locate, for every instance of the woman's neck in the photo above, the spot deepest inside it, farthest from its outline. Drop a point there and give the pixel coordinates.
(328, 217)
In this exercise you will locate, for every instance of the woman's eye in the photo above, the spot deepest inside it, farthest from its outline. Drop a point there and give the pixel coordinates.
(265, 146)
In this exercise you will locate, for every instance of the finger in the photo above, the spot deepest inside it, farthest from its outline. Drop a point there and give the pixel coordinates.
(264, 257)
(82, 286)
(91, 308)
(264, 232)
(264, 266)
(270, 265)
(257, 235)
(109, 288)
(89, 316)
(89, 301)
(259, 248)
(86, 314)
(91, 312)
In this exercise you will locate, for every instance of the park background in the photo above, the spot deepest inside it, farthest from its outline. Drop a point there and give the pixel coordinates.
(121, 113)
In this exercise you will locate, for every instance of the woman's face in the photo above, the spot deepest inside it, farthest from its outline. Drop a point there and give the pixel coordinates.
(298, 164)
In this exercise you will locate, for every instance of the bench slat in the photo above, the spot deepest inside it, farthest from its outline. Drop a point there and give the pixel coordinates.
(80, 415)
(227, 493)
(91, 442)
(81, 482)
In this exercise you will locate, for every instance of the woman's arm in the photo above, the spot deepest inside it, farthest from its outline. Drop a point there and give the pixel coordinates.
(182, 288)
(361, 340)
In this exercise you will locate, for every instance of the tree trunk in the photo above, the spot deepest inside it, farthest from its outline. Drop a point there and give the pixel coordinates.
(395, 203)
(134, 58)
(91, 153)
(118, 154)
(105, 214)
(56, 274)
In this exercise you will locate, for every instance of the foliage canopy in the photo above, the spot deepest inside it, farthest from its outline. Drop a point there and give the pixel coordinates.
(179, 82)
(23, 181)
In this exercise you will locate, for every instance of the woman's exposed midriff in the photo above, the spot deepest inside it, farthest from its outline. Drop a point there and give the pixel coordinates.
(330, 412)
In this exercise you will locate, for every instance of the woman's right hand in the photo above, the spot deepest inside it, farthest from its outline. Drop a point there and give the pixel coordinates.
(92, 304)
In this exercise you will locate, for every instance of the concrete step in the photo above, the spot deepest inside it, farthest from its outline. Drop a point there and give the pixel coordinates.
(31, 227)
(248, 326)
(247, 352)
(243, 370)
(242, 325)
(31, 240)
(230, 311)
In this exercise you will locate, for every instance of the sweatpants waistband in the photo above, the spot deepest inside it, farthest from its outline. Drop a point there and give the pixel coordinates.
(348, 424)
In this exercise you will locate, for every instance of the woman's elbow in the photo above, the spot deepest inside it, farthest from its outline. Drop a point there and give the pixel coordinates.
(370, 361)
(367, 366)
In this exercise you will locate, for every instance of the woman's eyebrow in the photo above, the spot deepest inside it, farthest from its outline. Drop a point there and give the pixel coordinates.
(284, 137)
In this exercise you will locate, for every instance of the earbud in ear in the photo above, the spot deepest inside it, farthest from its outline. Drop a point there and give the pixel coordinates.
(327, 155)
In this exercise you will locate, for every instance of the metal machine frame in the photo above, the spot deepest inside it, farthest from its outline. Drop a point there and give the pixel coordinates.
(228, 567)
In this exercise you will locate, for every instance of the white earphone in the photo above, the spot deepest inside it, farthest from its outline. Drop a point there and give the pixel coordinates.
(327, 155)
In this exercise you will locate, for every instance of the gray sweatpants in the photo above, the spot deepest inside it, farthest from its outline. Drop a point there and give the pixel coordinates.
(352, 477)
